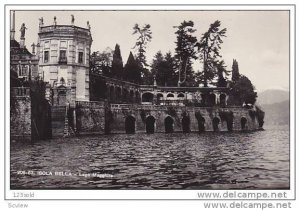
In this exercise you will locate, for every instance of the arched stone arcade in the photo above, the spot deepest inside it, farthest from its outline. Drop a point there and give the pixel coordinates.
(150, 124)
(130, 124)
(169, 124)
(216, 121)
(186, 123)
(243, 123)
(147, 97)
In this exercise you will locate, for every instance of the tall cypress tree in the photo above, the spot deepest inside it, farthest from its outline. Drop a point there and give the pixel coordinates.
(132, 70)
(235, 71)
(156, 67)
(117, 63)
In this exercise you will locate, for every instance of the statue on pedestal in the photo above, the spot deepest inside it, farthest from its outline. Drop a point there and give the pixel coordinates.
(54, 23)
(23, 28)
(72, 19)
(41, 22)
(88, 25)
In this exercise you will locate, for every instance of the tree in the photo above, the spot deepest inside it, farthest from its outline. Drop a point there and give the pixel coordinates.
(132, 70)
(117, 63)
(170, 67)
(100, 62)
(144, 36)
(163, 68)
(156, 67)
(242, 91)
(235, 71)
(209, 47)
(185, 52)
(221, 71)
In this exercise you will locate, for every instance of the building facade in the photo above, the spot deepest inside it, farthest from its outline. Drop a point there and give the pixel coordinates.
(64, 52)
(22, 62)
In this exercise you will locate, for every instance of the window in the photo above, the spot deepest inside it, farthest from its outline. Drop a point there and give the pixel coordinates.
(170, 95)
(180, 95)
(62, 56)
(46, 56)
(80, 57)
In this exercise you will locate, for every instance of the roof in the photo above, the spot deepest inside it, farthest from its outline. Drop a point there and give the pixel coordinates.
(15, 49)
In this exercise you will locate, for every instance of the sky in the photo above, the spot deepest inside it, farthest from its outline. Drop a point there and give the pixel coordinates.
(258, 40)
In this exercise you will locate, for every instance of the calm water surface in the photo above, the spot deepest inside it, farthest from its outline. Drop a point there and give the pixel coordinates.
(256, 160)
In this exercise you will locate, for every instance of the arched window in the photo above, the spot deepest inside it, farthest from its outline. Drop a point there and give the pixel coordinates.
(160, 96)
(147, 97)
(170, 95)
(180, 95)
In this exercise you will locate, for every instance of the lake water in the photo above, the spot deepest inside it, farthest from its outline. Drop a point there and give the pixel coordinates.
(255, 160)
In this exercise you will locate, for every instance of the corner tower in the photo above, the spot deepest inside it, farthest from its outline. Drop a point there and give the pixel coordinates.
(64, 52)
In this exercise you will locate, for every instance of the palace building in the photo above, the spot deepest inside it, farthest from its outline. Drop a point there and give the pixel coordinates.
(63, 98)
(64, 61)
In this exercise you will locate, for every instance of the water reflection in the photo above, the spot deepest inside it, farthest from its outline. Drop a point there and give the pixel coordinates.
(258, 160)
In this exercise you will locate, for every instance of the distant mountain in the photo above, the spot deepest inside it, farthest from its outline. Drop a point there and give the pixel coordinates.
(272, 96)
(277, 113)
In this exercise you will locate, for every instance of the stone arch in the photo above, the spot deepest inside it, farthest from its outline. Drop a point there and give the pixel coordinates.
(170, 95)
(223, 99)
(169, 124)
(243, 123)
(186, 123)
(147, 97)
(216, 122)
(201, 122)
(130, 124)
(159, 97)
(180, 95)
(150, 124)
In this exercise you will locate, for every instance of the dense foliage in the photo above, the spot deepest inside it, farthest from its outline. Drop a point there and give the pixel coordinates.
(177, 70)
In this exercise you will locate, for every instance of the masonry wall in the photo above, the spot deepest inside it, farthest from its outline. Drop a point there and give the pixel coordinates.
(118, 114)
(40, 112)
(90, 117)
(30, 113)
(20, 114)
